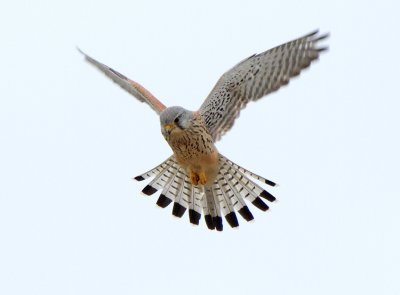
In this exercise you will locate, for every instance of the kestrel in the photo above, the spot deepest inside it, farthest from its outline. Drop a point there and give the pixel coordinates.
(197, 177)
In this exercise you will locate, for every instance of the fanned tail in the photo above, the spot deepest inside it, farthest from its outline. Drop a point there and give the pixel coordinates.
(232, 186)
(175, 186)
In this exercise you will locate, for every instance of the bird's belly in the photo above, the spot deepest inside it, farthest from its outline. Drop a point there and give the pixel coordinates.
(193, 160)
(203, 164)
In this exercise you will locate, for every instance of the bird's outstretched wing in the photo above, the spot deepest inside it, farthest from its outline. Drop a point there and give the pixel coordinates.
(134, 88)
(255, 77)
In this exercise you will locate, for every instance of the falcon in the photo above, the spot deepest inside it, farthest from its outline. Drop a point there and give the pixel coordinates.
(197, 177)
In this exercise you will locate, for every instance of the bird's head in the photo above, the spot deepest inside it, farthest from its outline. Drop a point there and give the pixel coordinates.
(175, 120)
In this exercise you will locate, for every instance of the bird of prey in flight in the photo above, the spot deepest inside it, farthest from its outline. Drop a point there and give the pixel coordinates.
(196, 176)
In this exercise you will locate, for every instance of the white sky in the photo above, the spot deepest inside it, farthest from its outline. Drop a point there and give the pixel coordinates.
(73, 222)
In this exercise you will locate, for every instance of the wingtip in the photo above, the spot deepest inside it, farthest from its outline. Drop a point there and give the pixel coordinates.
(315, 36)
(87, 57)
(323, 36)
(312, 33)
(82, 52)
(322, 49)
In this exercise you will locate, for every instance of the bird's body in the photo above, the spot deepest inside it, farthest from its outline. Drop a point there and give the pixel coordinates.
(197, 177)
(194, 149)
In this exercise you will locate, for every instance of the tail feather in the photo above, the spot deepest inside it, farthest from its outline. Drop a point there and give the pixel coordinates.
(232, 183)
(176, 191)
(195, 203)
(243, 179)
(162, 179)
(239, 188)
(163, 201)
(156, 170)
(212, 205)
(214, 200)
(241, 183)
(247, 172)
(166, 189)
(237, 200)
(207, 210)
(226, 205)
(232, 186)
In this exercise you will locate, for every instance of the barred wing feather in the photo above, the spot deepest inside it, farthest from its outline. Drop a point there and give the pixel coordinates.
(254, 78)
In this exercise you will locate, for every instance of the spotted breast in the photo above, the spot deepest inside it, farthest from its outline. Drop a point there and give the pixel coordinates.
(195, 152)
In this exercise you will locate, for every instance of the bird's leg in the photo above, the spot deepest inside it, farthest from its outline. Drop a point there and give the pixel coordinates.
(194, 177)
(198, 178)
(202, 177)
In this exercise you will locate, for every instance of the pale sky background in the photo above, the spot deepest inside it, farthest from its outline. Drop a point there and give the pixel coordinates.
(73, 222)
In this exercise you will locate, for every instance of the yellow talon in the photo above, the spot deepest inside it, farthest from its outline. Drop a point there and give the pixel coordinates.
(194, 178)
(197, 179)
(202, 178)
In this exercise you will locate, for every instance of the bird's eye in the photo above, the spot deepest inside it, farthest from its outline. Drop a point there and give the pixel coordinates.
(176, 120)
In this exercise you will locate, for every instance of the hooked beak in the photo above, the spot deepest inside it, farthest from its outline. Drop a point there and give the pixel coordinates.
(168, 128)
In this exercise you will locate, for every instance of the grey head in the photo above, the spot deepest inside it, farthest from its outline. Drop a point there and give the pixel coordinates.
(175, 119)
